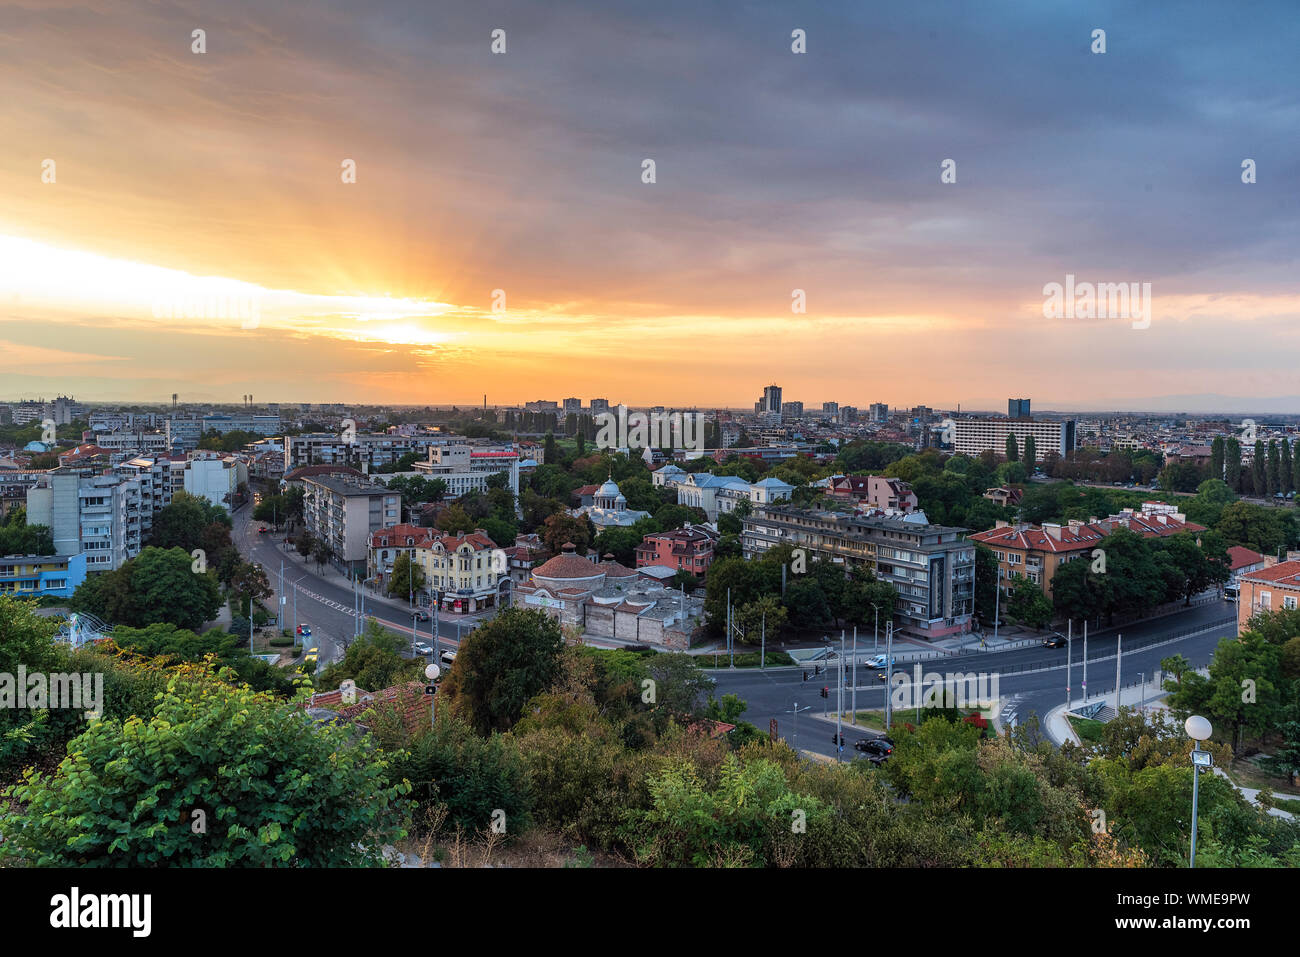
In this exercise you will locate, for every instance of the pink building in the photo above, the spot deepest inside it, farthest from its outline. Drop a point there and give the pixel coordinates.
(689, 548)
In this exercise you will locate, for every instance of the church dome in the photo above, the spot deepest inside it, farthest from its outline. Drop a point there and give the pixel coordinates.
(610, 489)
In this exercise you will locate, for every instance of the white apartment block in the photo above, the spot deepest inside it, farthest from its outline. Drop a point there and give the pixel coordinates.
(364, 452)
(141, 442)
(344, 510)
(242, 422)
(466, 468)
(973, 436)
(214, 476)
(154, 477)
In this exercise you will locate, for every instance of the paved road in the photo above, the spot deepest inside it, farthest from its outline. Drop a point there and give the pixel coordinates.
(1031, 680)
(326, 601)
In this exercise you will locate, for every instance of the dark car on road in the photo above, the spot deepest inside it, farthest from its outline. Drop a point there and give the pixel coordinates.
(875, 749)
(421, 615)
(1054, 640)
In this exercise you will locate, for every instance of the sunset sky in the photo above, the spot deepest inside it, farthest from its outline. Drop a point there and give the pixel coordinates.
(180, 174)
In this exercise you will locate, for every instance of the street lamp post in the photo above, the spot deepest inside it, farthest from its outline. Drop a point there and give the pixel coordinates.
(1198, 729)
(432, 672)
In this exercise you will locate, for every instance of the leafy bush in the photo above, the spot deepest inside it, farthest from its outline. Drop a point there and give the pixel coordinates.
(217, 777)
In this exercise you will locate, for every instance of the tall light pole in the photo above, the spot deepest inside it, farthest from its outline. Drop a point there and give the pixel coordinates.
(853, 704)
(1069, 650)
(1085, 661)
(889, 670)
(432, 672)
(1198, 729)
(1119, 653)
(839, 705)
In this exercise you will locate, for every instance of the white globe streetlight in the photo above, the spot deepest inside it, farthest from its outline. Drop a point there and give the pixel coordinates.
(1198, 729)
(432, 672)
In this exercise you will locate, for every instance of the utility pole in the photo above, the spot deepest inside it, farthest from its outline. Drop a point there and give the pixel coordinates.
(1069, 650)
(762, 647)
(889, 670)
(997, 602)
(839, 707)
(1119, 651)
(853, 705)
(1085, 661)
(875, 641)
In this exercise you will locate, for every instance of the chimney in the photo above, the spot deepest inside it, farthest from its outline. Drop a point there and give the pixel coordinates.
(1053, 530)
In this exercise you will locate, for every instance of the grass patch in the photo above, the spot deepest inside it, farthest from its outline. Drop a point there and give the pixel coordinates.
(1087, 729)
(748, 659)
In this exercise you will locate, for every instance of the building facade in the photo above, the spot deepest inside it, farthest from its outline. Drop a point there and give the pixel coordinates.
(344, 511)
(931, 566)
(973, 436)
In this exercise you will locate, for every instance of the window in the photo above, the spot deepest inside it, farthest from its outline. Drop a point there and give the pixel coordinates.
(1289, 602)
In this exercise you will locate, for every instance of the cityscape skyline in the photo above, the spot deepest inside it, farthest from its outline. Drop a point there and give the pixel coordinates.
(511, 229)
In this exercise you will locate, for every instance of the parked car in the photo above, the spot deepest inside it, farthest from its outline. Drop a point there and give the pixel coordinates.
(423, 648)
(1054, 640)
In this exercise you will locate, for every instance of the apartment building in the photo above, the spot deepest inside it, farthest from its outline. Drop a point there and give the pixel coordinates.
(365, 452)
(460, 572)
(242, 422)
(466, 468)
(36, 576)
(99, 516)
(876, 491)
(215, 476)
(689, 548)
(973, 436)
(154, 474)
(139, 442)
(931, 566)
(343, 511)
(184, 432)
(1267, 589)
(1037, 551)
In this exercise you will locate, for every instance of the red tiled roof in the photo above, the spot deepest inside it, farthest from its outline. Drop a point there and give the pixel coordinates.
(567, 566)
(1283, 573)
(1240, 557)
(1075, 537)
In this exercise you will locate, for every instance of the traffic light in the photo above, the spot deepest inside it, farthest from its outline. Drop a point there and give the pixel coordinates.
(805, 674)
(817, 669)
(826, 692)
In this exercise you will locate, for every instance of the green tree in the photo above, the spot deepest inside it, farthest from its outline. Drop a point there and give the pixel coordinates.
(407, 577)
(374, 661)
(501, 665)
(1027, 604)
(1217, 458)
(247, 768)
(761, 616)
(1232, 464)
(1030, 459)
(1013, 452)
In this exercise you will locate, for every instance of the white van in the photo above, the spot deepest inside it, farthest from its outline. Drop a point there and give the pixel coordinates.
(448, 657)
(1230, 591)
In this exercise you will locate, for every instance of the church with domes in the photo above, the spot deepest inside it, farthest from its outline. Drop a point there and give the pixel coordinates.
(609, 508)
